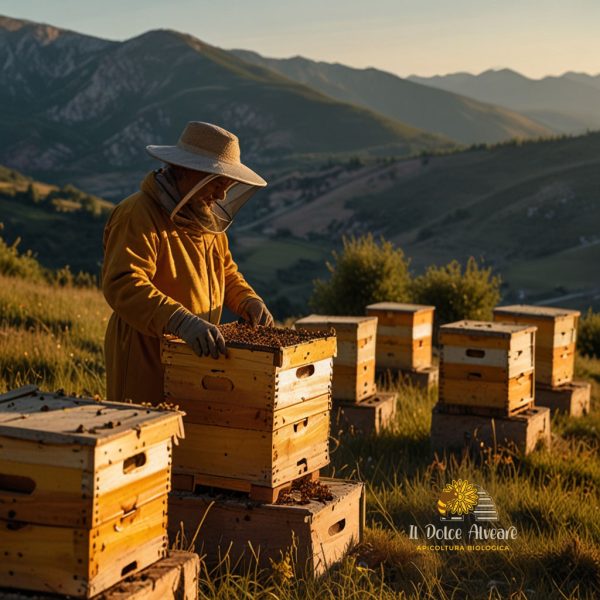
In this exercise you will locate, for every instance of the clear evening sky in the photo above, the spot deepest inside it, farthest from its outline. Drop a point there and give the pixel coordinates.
(426, 37)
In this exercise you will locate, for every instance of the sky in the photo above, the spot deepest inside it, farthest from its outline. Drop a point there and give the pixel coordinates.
(423, 37)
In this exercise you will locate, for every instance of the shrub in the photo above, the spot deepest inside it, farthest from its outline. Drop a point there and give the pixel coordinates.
(457, 295)
(16, 264)
(364, 272)
(588, 337)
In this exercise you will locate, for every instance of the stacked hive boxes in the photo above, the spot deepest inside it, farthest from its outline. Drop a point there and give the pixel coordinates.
(404, 340)
(83, 490)
(256, 420)
(486, 370)
(555, 355)
(355, 395)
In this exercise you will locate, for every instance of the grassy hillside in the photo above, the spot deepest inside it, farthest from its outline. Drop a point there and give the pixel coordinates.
(460, 118)
(62, 226)
(53, 337)
(519, 206)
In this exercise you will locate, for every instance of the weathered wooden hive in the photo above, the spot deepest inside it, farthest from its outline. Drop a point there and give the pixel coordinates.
(354, 365)
(487, 368)
(556, 338)
(404, 334)
(257, 419)
(83, 490)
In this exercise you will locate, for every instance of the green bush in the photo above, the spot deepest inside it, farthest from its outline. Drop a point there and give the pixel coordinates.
(16, 264)
(364, 272)
(457, 295)
(588, 336)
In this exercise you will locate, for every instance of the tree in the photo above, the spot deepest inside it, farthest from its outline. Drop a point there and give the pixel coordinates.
(364, 272)
(457, 295)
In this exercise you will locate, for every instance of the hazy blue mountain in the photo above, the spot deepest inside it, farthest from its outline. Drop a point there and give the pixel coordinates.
(569, 103)
(437, 111)
(81, 109)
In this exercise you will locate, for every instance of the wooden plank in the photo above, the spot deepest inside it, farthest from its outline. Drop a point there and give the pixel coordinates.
(255, 456)
(517, 392)
(372, 415)
(485, 329)
(572, 398)
(404, 332)
(322, 532)
(524, 432)
(482, 372)
(309, 353)
(353, 383)
(174, 577)
(81, 562)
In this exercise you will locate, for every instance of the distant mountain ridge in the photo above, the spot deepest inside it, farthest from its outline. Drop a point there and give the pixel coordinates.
(80, 109)
(569, 103)
(451, 114)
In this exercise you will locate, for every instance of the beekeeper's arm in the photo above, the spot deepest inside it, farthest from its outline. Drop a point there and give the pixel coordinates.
(130, 252)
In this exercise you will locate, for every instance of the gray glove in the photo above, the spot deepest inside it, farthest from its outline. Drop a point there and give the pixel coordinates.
(203, 337)
(255, 312)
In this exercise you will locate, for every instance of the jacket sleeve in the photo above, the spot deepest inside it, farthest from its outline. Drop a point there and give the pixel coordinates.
(130, 252)
(237, 289)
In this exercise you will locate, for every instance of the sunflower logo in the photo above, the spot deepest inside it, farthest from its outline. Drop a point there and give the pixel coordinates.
(457, 498)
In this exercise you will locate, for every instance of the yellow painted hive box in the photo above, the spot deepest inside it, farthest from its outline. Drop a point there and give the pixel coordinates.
(556, 339)
(83, 490)
(354, 365)
(258, 417)
(404, 334)
(487, 367)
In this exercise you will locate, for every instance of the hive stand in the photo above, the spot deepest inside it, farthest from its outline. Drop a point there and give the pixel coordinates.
(458, 432)
(174, 577)
(83, 490)
(556, 338)
(572, 398)
(486, 368)
(256, 420)
(372, 415)
(405, 341)
(318, 533)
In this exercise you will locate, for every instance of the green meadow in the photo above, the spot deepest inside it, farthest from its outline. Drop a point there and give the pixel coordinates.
(52, 336)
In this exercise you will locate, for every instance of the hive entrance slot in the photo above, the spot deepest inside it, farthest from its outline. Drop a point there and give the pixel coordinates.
(16, 484)
(217, 383)
(337, 527)
(132, 566)
(300, 425)
(474, 375)
(475, 353)
(303, 464)
(134, 462)
(304, 372)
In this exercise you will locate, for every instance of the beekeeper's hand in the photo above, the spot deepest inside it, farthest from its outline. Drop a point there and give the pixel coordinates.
(203, 337)
(255, 312)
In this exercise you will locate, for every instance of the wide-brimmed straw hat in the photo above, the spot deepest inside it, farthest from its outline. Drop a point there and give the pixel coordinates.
(208, 148)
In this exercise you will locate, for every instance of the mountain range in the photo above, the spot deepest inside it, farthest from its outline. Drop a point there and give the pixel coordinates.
(81, 109)
(569, 103)
(438, 111)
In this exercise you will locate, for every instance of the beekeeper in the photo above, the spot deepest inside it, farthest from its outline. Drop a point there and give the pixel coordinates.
(167, 264)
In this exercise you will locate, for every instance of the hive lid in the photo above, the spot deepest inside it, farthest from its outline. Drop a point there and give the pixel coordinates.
(486, 328)
(28, 413)
(400, 307)
(337, 322)
(537, 312)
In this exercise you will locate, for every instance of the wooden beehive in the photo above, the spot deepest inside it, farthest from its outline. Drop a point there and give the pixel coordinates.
(404, 335)
(354, 365)
(317, 534)
(487, 368)
(83, 490)
(555, 339)
(258, 418)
